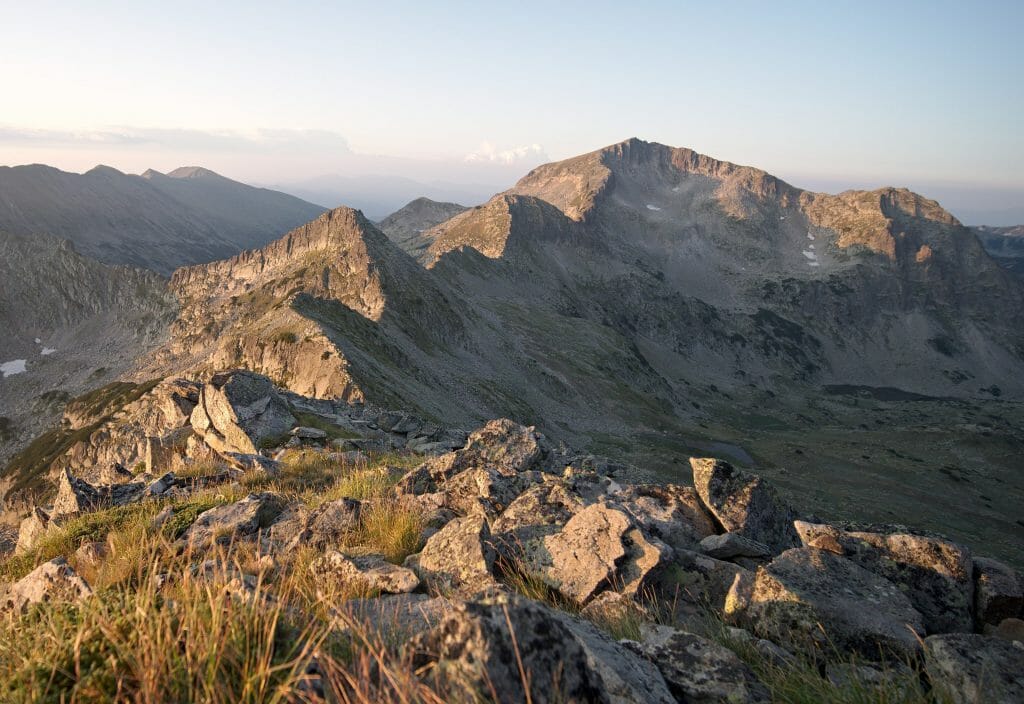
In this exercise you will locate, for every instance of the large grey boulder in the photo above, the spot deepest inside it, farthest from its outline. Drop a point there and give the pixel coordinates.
(372, 572)
(744, 503)
(969, 668)
(327, 524)
(33, 528)
(825, 605)
(935, 574)
(459, 557)
(699, 670)
(998, 592)
(673, 514)
(517, 650)
(224, 524)
(237, 409)
(484, 490)
(51, 582)
(599, 548)
(540, 510)
(397, 617)
(504, 445)
(731, 545)
(74, 496)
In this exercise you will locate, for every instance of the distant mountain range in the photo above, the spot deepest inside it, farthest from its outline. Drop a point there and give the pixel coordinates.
(1005, 244)
(158, 221)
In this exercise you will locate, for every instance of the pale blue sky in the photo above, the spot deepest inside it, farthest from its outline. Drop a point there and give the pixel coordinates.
(824, 94)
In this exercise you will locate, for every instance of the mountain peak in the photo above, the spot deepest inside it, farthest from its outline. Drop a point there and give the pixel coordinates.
(193, 172)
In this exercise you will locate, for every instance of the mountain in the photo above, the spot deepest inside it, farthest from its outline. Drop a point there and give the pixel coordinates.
(1005, 244)
(70, 324)
(406, 226)
(158, 221)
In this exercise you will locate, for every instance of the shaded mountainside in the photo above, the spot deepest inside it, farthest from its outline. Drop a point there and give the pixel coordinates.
(406, 226)
(74, 322)
(653, 302)
(158, 221)
(1005, 244)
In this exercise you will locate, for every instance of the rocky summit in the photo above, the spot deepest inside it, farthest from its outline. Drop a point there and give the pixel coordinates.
(363, 554)
(646, 427)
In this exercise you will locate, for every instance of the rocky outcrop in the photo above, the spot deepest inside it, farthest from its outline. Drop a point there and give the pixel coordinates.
(935, 574)
(238, 410)
(745, 504)
(517, 647)
(699, 670)
(969, 668)
(814, 601)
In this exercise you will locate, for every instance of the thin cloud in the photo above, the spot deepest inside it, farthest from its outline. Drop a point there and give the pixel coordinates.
(490, 154)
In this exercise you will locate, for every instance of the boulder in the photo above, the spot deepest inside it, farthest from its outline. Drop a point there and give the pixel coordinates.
(458, 557)
(51, 582)
(484, 490)
(224, 524)
(373, 572)
(396, 616)
(74, 496)
(1008, 629)
(238, 409)
(504, 445)
(700, 581)
(967, 668)
(699, 670)
(32, 529)
(998, 592)
(114, 473)
(304, 433)
(328, 523)
(599, 548)
(730, 545)
(673, 514)
(744, 503)
(540, 510)
(517, 650)
(935, 574)
(812, 600)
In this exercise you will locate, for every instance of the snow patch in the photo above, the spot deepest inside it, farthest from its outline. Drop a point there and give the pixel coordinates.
(809, 235)
(812, 257)
(15, 366)
(38, 341)
(48, 350)
(677, 189)
(652, 207)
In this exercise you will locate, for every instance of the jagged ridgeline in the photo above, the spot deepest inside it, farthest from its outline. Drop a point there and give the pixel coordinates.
(299, 549)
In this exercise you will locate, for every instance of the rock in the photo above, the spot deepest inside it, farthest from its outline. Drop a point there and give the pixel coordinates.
(730, 545)
(114, 473)
(166, 513)
(539, 511)
(32, 529)
(90, 553)
(459, 557)
(812, 600)
(328, 523)
(860, 678)
(74, 496)
(519, 650)
(161, 485)
(599, 548)
(304, 433)
(779, 657)
(969, 668)
(673, 514)
(51, 582)
(252, 463)
(224, 524)
(609, 608)
(237, 410)
(485, 491)
(503, 444)
(396, 616)
(372, 571)
(998, 592)
(935, 574)
(744, 503)
(1008, 629)
(701, 581)
(699, 670)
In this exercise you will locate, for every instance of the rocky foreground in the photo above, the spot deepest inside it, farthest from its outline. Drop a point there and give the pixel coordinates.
(270, 547)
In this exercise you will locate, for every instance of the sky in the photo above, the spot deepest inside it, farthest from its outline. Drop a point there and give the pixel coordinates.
(466, 95)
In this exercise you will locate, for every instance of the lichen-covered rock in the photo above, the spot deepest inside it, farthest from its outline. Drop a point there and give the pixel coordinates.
(935, 574)
(998, 592)
(237, 409)
(372, 571)
(505, 445)
(230, 522)
(32, 529)
(519, 650)
(812, 600)
(700, 581)
(74, 496)
(540, 510)
(699, 670)
(597, 549)
(968, 668)
(396, 616)
(53, 581)
(673, 514)
(730, 545)
(328, 523)
(744, 503)
(484, 490)
(459, 557)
